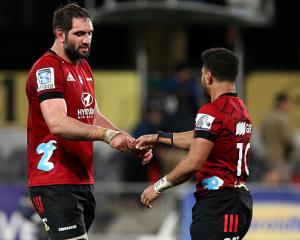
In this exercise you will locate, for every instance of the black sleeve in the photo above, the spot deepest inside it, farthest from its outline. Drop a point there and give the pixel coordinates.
(49, 95)
(205, 134)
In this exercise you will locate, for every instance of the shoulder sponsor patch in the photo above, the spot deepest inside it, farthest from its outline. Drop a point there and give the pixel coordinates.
(45, 79)
(203, 121)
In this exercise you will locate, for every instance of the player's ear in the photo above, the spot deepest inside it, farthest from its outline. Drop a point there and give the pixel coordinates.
(60, 35)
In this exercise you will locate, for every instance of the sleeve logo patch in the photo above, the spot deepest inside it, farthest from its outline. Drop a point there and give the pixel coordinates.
(45, 79)
(204, 121)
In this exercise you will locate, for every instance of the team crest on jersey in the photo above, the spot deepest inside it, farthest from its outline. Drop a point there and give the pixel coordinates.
(204, 121)
(45, 79)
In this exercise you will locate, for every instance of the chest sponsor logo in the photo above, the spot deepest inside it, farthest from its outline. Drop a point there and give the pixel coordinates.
(89, 79)
(45, 79)
(242, 128)
(70, 78)
(87, 100)
(204, 121)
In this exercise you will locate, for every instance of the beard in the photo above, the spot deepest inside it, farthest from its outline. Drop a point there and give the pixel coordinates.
(73, 53)
(205, 90)
(206, 93)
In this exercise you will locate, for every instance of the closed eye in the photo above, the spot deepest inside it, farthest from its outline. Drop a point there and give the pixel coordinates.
(82, 33)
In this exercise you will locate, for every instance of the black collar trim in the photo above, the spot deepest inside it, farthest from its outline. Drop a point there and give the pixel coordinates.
(229, 94)
(51, 51)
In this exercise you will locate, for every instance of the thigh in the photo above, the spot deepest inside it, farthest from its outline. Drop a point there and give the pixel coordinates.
(224, 217)
(60, 210)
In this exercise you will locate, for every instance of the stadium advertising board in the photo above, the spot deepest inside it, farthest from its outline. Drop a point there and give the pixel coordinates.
(276, 214)
(15, 216)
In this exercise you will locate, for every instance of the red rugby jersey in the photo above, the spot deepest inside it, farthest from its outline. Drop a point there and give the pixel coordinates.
(52, 159)
(226, 122)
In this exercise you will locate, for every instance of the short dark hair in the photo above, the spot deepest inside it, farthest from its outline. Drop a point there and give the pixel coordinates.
(222, 63)
(63, 16)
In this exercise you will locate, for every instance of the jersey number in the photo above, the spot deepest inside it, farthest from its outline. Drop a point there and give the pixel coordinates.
(242, 155)
(47, 150)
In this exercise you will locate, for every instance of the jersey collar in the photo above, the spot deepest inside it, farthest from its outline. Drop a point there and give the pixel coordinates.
(229, 94)
(51, 51)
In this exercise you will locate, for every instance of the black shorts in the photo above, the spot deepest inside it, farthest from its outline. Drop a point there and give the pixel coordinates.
(67, 211)
(224, 214)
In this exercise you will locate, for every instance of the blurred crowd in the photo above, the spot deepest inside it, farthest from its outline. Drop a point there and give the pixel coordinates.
(279, 159)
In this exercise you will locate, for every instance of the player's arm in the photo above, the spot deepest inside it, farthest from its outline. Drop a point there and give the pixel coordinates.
(192, 162)
(55, 114)
(180, 140)
(184, 170)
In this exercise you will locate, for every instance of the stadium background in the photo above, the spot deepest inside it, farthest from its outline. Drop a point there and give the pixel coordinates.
(132, 51)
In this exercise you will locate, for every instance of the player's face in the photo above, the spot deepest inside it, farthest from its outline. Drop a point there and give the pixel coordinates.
(204, 81)
(78, 40)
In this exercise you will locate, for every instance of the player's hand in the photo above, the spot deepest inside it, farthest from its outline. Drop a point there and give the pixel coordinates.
(145, 153)
(146, 141)
(123, 142)
(147, 157)
(148, 196)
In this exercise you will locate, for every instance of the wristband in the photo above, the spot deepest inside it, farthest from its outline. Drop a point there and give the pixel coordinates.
(110, 134)
(162, 185)
(169, 135)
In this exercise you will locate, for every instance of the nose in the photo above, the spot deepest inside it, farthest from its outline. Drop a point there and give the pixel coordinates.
(87, 39)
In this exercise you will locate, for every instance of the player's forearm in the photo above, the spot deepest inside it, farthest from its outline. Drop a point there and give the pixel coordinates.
(180, 179)
(180, 140)
(183, 139)
(180, 174)
(192, 162)
(184, 171)
(73, 129)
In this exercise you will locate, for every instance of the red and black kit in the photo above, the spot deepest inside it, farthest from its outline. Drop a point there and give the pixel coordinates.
(60, 171)
(224, 204)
